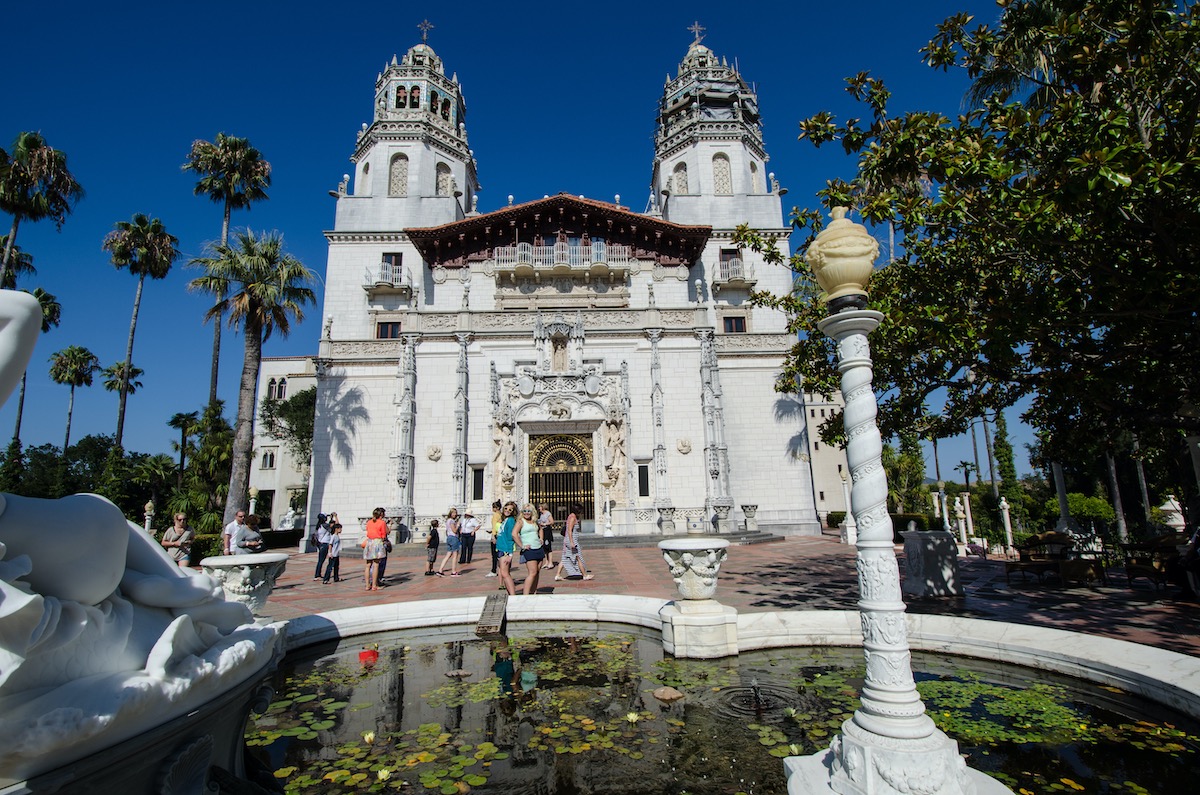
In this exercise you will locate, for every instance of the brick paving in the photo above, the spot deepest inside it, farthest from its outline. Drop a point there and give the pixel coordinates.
(806, 573)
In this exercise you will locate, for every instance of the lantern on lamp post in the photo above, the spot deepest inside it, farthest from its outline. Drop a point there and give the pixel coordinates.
(889, 741)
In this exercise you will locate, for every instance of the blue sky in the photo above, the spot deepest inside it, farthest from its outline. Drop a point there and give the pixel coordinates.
(559, 98)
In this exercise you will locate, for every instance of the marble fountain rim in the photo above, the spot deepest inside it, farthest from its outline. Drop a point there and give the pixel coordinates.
(1166, 677)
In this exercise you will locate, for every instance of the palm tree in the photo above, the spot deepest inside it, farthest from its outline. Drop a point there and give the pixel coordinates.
(186, 425)
(232, 173)
(144, 246)
(262, 288)
(34, 184)
(20, 263)
(51, 317)
(74, 366)
(966, 467)
(155, 472)
(115, 378)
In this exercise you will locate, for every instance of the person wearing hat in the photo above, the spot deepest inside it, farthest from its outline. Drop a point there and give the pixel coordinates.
(470, 526)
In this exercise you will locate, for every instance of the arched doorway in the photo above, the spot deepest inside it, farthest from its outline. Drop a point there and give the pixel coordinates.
(560, 472)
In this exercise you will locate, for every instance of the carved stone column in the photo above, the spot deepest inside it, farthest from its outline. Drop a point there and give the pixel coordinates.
(716, 453)
(406, 414)
(460, 419)
(662, 496)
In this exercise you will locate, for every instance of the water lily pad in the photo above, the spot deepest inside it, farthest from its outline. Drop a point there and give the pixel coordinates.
(284, 772)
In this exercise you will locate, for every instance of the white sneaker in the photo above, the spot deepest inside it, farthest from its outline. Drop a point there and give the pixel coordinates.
(490, 574)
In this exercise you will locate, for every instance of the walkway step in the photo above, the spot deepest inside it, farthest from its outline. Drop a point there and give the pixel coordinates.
(491, 620)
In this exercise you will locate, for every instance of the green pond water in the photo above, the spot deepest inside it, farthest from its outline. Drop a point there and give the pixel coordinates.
(554, 713)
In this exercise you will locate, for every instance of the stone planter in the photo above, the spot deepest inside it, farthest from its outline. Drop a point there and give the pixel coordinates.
(930, 564)
(697, 625)
(246, 578)
(694, 562)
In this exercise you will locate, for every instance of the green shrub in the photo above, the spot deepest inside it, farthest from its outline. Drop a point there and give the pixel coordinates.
(207, 545)
(834, 518)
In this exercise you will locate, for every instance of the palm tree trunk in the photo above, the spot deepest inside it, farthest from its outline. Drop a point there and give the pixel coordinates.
(20, 408)
(70, 410)
(216, 351)
(137, 303)
(243, 429)
(12, 239)
(1118, 505)
(991, 454)
(183, 434)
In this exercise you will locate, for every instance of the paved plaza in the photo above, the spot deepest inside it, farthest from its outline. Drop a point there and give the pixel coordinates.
(805, 573)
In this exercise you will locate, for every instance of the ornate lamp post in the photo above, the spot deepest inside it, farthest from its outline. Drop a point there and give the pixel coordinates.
(148, 508)
(890, 745)
(254, 500)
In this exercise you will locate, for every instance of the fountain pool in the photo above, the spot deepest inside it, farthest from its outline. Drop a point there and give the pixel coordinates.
(592, 708)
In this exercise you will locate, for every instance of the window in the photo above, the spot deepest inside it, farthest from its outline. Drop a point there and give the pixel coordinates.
(414, 97)
(756, 178)
(401, 96)
(812, 413)
(821, 496)
(388, 330)
(281, 389)
(816, 445)
(476, 483)
(391, 270)
(722, 179)
(445, 180)
(268, 459)
(643, 480)
(822, 412)
(679, 182)
(735, 324)
(271, 389)
(398, 176)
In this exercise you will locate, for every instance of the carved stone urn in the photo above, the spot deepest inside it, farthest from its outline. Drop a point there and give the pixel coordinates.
(694, 563)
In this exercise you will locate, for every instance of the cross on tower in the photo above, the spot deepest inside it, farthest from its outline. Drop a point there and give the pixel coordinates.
(425, 27)
(696, 30)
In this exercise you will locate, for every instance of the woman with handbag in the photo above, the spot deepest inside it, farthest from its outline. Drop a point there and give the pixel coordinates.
(572, 557)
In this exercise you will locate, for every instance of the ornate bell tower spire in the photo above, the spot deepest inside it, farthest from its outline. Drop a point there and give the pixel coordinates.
(708, 146)
(416, 145)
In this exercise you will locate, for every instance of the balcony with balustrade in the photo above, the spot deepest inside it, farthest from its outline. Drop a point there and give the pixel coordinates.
(734, 274)
(388, 278)
(597, 260)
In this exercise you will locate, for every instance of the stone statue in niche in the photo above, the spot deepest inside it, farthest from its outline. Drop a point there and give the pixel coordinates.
(558, 354)
(504, 459)
(614, 452)
(102, 635)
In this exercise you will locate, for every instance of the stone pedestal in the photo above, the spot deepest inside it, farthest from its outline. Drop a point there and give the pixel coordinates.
(751, 513)
(930, 564)
(246, 578)
(722, 512)
(701, 629)
(666, 517)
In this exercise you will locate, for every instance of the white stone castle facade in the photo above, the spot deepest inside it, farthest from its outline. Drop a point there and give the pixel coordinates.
(563, 349)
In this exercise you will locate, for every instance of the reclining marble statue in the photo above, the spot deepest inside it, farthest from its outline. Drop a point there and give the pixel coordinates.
(102, 636)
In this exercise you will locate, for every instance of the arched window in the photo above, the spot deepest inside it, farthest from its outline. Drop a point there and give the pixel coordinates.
(401, 96)
(679, 182)
(414, 97)
(434, 98)
(398, 175)
(271, 389)
(722, 179)
(446, 109)
(281, 390)
(445, 180)
(268, 459)
(756, 178)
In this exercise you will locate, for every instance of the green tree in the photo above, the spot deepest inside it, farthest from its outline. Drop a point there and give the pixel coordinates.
(51, 317)
(20, 264)
(1049, 241)
(185, 423)
(206, 482)
(291, 421)
(262, 288)
(34, 184)
(154, 472)
(144, 246)
(12, 468)
(115, 378)
(234, 175)
(905, 470)
(73, 366)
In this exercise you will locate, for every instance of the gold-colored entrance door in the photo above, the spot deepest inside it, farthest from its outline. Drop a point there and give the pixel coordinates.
(560, 473)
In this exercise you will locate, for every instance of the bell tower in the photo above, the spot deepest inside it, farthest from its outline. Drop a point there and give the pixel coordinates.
(413, 160)
(709, 159)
